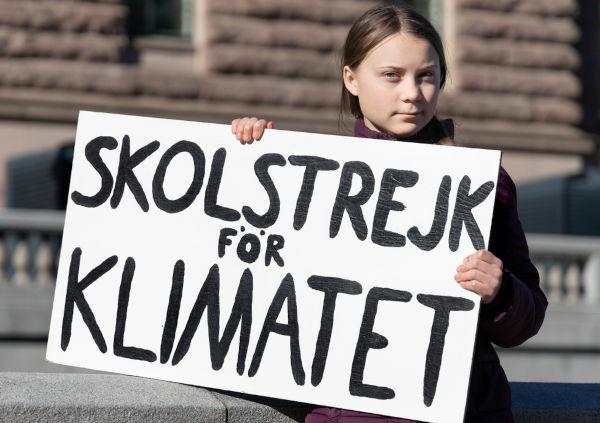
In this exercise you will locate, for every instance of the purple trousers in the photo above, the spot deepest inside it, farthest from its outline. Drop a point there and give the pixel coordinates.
(335, 415)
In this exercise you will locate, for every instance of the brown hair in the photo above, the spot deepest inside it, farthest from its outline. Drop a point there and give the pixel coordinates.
(369, 30)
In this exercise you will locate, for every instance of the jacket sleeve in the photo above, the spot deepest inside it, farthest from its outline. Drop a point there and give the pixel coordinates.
(517, 312)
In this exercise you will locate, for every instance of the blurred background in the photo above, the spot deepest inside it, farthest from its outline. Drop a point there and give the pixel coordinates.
(523, 79)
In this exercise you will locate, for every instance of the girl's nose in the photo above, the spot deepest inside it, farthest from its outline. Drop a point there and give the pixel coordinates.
(410, 90)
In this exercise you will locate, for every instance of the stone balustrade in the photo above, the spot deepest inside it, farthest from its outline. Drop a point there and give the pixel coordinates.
(569, 266)
(29, 246)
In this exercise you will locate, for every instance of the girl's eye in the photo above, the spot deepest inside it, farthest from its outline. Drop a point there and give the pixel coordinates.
(428, 75)
(391, 75)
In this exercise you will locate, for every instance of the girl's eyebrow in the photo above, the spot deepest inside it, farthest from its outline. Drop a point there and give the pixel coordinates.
(429, 65)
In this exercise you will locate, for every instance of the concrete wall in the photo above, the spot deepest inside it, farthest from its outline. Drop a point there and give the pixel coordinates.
(33, 397)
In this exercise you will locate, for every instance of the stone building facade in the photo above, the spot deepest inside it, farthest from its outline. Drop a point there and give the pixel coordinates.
(521, 71)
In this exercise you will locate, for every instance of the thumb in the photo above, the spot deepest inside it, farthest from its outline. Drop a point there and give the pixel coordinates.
(270, 125)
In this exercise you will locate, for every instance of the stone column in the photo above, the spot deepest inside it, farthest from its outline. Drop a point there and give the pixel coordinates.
(200, 35)
(591, 279)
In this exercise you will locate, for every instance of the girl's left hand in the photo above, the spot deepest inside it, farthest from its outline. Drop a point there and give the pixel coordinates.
(481, 272)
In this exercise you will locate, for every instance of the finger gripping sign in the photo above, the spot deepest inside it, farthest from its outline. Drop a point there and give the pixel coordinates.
(308, 267)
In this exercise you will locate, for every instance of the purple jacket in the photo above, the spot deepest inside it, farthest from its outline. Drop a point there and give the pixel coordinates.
(514, 316)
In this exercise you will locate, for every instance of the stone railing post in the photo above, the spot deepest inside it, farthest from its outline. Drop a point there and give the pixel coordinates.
(591, 279)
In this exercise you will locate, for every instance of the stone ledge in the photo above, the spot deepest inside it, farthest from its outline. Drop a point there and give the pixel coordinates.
(242, 408)
(31, 397)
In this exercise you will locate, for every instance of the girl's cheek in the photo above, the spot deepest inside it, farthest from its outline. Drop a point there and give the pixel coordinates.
(432, 93)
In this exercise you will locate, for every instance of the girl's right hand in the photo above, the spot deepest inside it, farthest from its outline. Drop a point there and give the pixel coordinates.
(248, 129)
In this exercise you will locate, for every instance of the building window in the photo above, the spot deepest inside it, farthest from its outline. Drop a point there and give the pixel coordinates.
(171, 18)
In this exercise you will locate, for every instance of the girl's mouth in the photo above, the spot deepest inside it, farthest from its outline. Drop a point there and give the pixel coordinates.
(409, 116)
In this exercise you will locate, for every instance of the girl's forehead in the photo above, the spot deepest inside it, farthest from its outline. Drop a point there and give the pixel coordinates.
(402, 50)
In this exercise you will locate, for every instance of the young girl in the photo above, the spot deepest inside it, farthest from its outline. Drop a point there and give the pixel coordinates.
(393, 68)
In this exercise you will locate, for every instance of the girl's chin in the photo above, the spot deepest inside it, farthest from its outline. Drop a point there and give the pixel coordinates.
(404, 130)
(400, 129)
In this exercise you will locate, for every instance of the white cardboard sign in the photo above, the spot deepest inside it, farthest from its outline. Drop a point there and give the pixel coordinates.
(309, 267)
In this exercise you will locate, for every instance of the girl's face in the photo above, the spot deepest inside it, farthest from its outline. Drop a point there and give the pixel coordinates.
(397, 85)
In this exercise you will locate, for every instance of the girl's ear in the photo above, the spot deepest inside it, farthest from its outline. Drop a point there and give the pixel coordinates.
(350, 81)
